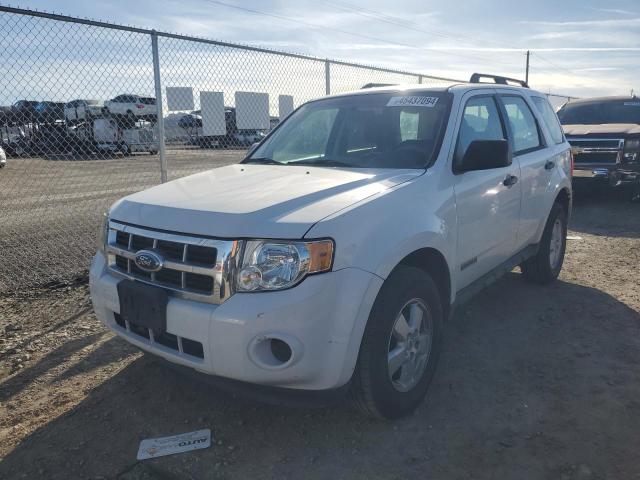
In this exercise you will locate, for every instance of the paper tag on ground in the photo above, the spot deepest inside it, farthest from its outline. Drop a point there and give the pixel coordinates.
(412, 101)
(158, 447)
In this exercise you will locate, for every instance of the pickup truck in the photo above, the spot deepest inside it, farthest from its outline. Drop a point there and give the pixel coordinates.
(328, 260)
(604, 134)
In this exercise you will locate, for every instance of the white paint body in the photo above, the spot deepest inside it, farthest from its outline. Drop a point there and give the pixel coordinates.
(82, 110)
(376, 218)
(137, 107)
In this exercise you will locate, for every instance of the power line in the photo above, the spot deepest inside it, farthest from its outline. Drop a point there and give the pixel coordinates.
(393, 20)
(345, 32)
(553, 64)
(398, 21)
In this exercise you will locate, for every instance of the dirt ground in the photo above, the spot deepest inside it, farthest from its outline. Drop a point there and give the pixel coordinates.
(533, 383)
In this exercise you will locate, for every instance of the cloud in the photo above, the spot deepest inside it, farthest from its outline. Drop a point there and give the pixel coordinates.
(612, 10)
(623, 22)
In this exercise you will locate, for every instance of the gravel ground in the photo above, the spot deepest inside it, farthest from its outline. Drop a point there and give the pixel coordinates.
(533, 383)
(50, 208)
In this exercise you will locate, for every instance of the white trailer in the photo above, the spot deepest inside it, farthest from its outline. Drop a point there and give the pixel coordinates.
(108, 135)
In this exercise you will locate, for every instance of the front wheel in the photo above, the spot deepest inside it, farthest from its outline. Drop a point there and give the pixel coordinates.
(400, 346)
(545, 266)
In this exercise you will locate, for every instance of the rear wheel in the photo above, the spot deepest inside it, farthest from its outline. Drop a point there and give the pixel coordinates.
(400, 347)
(545, 266)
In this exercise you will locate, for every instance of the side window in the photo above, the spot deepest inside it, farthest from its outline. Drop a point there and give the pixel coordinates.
(523, 124)
(550, 119)
(480, 121)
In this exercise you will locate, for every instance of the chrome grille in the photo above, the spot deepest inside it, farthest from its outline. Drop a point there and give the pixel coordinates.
(196, 268)
(596, 150)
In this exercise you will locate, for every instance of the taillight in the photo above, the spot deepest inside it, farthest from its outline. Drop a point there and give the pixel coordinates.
(139, 105)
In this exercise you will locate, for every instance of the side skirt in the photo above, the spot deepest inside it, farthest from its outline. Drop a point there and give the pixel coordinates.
(467, 293)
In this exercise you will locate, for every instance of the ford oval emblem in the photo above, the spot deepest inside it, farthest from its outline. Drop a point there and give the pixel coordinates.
(149, 261)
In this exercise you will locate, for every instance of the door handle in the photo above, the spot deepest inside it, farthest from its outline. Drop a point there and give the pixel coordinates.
(549, 165)
(510, 181)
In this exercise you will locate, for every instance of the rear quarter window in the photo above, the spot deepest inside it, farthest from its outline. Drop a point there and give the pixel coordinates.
(549, 118)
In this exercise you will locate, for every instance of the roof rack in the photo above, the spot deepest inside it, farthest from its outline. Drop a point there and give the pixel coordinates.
(477, 78)
(374, 85)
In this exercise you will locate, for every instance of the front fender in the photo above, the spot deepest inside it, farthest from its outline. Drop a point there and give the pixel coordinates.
(377, 234)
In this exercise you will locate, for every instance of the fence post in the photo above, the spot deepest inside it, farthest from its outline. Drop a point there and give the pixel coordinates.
(420, 79)
(327, 76)
(160, 119)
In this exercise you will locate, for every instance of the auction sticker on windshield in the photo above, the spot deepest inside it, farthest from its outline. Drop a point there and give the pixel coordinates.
(412, 101)
(159, 447)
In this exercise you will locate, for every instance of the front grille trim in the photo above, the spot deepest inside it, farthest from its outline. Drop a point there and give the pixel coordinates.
(594, 151)
(221, 271)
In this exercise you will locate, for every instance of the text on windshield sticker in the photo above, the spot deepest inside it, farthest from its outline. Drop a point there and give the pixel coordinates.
(415, 101)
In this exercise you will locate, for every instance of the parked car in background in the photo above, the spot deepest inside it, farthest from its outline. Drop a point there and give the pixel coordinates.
(49, 112)
(605, 138)
(16, 144)
(23, 112)
(79, 110)
(134, 107)
(3, 158)
(5, 115)
(330, 258)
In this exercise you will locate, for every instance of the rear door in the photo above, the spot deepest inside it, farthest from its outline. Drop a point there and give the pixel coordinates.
(488, 204)
(536, 164)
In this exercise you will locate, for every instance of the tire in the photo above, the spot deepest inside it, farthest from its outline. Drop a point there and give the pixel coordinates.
(541, 268)
(374, 391)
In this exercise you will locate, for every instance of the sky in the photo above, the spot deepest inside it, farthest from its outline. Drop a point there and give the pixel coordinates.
(578, 47)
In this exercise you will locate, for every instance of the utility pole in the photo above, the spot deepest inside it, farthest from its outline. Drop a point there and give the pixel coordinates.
(526, 75)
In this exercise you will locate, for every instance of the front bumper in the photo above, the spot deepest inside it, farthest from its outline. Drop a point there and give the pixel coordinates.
(606, 175)
(322, 319)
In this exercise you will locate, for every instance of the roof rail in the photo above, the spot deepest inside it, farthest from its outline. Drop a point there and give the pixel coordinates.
(477, 78)
(374, 85)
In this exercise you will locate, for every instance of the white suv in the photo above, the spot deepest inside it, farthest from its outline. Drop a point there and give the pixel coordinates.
(134, 107)
(330, 258)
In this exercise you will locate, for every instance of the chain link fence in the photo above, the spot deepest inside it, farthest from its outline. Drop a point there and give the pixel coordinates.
(94, 111)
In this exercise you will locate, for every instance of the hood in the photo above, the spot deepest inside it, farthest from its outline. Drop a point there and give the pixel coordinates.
(602, 129)
(261, 201)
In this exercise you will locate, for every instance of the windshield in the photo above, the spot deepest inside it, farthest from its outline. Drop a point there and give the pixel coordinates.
(619, 111)
(385, 130)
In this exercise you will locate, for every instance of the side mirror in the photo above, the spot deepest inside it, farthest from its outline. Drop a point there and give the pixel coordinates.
(484, 155)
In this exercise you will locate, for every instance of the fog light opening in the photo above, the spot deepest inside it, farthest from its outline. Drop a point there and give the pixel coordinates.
(280, 350)
(275, 351)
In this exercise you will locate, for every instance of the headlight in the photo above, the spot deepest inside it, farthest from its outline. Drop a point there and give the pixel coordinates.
(103, 232)
(274, 265)
(632, 145)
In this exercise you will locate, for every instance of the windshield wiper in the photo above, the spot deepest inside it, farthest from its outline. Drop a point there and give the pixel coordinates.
(322, 162)
(262, 161)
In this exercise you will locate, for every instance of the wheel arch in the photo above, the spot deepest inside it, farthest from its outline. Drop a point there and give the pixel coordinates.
(563, 197)
(433, 262)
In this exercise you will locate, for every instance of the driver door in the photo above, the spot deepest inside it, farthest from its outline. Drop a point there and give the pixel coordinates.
(488, 201)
